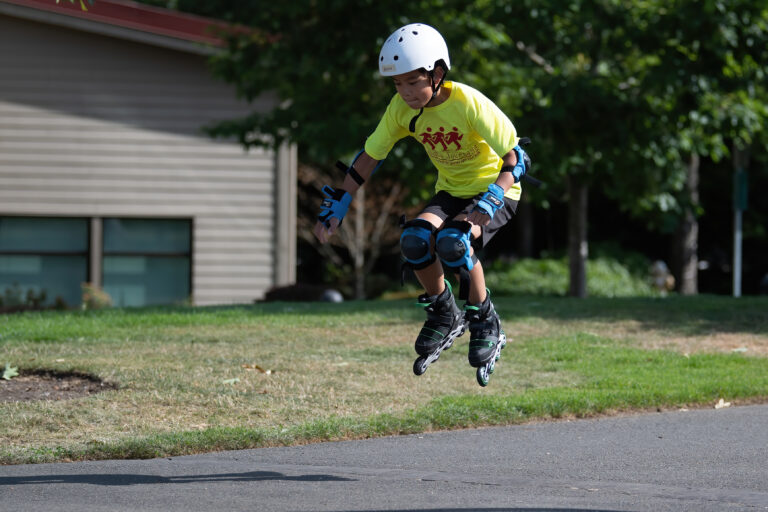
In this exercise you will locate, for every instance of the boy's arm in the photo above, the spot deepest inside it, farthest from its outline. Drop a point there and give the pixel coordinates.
(503, 180)
(364, 165)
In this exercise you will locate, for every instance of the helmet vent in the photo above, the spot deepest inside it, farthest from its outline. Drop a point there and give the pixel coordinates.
(400, 40)
(396, 57)
(415, 33)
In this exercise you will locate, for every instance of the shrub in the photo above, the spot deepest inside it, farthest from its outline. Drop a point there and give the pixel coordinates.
(606, 277)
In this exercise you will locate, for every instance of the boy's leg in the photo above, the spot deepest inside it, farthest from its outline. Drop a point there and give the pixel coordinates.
(477, 291)
(484, 322)
(445, 321)
(431, 277)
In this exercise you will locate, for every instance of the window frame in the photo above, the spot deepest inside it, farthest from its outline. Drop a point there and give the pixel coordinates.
(86, 253)
(171, 255)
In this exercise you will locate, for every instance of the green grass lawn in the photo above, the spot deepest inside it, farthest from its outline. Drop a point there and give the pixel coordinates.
(202, 379)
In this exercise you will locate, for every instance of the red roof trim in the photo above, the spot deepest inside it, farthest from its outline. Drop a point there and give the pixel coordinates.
(132, 15)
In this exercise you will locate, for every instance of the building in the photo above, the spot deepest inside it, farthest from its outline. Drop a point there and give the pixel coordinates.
(105, 174)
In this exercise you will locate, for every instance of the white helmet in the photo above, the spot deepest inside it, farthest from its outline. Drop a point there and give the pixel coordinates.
(412, 47)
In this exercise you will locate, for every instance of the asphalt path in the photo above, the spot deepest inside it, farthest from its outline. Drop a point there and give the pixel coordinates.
(701, 460)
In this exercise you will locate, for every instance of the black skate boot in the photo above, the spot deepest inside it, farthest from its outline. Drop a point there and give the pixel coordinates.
(487, 338)
(445, 322)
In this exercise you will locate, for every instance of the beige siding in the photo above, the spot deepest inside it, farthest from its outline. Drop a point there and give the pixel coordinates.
(93, 126)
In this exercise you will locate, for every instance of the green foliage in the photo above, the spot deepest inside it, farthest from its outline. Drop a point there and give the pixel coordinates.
(618, 95)
(15, 297)
(608, 277)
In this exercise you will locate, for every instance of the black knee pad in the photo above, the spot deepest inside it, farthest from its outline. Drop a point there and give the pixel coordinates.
(416, 243)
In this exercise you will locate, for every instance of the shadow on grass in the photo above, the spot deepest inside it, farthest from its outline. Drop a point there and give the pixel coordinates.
(692, 316)
(689, 316)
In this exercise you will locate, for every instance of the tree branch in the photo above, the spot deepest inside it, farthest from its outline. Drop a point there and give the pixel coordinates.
(535, 57)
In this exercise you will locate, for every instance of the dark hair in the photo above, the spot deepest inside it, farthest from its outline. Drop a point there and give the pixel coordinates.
(438, 64)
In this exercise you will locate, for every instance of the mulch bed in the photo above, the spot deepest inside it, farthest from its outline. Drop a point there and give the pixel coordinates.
(49, 385)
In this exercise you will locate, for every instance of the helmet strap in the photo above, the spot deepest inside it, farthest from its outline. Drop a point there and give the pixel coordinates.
(435, 90)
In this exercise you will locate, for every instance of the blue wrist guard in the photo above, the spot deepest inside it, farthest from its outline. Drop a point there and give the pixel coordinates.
(522, 165)
(491, 200)
(335, 204)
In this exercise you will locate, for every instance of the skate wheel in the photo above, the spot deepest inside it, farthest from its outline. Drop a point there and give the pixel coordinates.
(492, 365)
(448, 345)
(420, 365)
(482, 376)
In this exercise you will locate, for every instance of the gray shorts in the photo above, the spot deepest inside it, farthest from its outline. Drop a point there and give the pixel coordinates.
(446, 206)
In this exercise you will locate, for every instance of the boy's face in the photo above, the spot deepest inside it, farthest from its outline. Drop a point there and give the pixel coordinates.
(415, 87)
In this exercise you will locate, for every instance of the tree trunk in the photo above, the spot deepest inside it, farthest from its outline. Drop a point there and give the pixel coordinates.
(578, 248)
(358, 252)
(524, 237)
(686, 261)
(740, 164)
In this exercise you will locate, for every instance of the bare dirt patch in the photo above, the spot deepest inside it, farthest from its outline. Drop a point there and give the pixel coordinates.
(50, 385)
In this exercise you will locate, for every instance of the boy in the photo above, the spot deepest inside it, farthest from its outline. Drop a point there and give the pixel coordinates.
(474, 147)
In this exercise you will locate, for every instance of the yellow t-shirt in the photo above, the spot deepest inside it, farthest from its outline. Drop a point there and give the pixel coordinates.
(465, 137)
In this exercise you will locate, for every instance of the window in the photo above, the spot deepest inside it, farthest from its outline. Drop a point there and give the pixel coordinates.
(44, 255)
(147, 261)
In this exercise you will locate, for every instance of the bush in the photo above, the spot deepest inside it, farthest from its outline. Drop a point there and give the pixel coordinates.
(14, 299)
(606, 277)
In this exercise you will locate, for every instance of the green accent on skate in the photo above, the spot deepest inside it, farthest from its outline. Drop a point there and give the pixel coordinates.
(439, 334)
(477, 343)
(447, 285)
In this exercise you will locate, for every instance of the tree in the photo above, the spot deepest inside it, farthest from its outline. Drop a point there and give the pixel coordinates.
(632, 95)
(621, 98)
(708, 84)
(585, 103)
(323, 71)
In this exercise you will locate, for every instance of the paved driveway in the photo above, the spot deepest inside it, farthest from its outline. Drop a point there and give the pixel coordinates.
(705, 460)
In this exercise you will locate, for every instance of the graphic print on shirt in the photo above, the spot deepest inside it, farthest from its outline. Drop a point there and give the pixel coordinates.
(446, 148)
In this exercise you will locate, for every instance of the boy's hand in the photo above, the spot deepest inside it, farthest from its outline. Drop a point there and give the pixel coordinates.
(491, 201)
(478, 218)
(332, 211)
(523, 163)
(323, 233)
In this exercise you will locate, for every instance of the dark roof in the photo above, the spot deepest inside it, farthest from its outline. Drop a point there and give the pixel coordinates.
(124, 17)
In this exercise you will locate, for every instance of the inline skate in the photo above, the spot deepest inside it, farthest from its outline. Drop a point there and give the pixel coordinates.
(486, 338)
(445, 322)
